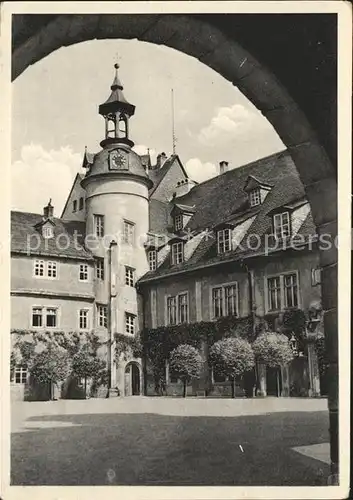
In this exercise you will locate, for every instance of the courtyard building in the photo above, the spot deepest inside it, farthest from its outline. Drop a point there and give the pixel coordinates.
(141, 249)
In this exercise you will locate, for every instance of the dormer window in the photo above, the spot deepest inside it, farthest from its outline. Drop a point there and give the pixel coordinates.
(177, 252)
(224, 241)
(178, 222)
(255, 197)
(48, 232)
(281, 225)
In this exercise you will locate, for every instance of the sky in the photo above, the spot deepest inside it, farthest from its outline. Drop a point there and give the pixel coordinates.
(55, 115)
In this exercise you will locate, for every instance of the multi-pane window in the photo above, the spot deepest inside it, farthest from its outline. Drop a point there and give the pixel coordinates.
(20, 375)
(225, 300)
(51, 317)
(129, 323)
(80, 205)
(39, 268)
(178, 309)
(290, 290)
(171, 310)
(217, 302)
(83, 319)
(48, 232)
(129, 232)
(44, 317)
(100, 269)
(282, 291)
(51, 269)
(45, 269)
(37, 317)
(129, 276)
(83, 272)
(224, 240)
(183, 307)
(152, 260)
(231, 299)
(74, 205)
(255, 197)
(281, 225)
(99, 225)
(102, 316)
(274, 293)
(178, 222)
(178, 252)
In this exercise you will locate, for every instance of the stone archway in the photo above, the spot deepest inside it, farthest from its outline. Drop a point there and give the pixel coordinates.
(215, 48)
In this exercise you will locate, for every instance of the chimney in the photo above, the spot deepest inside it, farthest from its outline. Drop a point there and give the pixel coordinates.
(48, 211)
(223, 167)
(183, 187)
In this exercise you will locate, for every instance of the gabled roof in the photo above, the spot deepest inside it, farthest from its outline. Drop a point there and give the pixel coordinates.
(252, 183)
(222, 200)
(26, 239)
(78, 177)
(157, 175)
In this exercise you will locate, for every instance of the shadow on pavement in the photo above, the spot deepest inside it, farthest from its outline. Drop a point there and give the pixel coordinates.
(153, 449)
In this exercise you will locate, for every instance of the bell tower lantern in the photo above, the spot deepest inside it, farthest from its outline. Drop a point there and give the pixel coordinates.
(116, 111)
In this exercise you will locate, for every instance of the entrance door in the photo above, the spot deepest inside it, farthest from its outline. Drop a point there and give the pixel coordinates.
(273, 381)
(135, 380)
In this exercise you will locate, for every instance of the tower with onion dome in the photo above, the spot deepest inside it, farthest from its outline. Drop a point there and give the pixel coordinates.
(116, 186)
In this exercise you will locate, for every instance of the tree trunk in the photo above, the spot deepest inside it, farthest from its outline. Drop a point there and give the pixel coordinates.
(233, 387)
(277, 378)
(185, 389)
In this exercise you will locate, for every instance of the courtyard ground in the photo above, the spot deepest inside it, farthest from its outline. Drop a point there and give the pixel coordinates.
(166, 441)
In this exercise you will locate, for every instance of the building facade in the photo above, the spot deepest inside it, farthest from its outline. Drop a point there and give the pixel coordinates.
(142, 247)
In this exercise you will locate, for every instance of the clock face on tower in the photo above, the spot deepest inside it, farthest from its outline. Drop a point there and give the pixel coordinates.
(118, 160)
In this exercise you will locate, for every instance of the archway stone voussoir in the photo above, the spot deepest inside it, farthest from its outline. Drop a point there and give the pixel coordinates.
(327, 244)
(311, 154)
(124, 26)
(231, 61)
(331, 337)
(322, 196)
(82, 27)
(261, 87)
(329, 287)
(291, 125)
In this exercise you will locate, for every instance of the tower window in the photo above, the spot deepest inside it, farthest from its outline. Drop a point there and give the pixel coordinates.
(99, 225)
(102, 316)
(152, 260)
(83, 272)
(223, 241)
(129, 232)
(255, 197)
(83, 319)
(129, 323)
(74, 205)
(178, 252)
(80, 205)
(129, 276)
(100, 269)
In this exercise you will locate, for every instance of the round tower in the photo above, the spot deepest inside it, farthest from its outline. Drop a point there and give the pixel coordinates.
(117, 223)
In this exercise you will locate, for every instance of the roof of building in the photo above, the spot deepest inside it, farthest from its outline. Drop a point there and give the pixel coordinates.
(223, 199)
(67, 241)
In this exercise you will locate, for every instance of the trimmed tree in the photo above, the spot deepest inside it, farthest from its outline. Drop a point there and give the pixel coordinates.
(232, 357)
(186, 362)
(51, 366)
(273, 349)
(86, 364)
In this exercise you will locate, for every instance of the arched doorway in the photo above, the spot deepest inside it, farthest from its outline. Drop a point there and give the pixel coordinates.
(132, 382)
